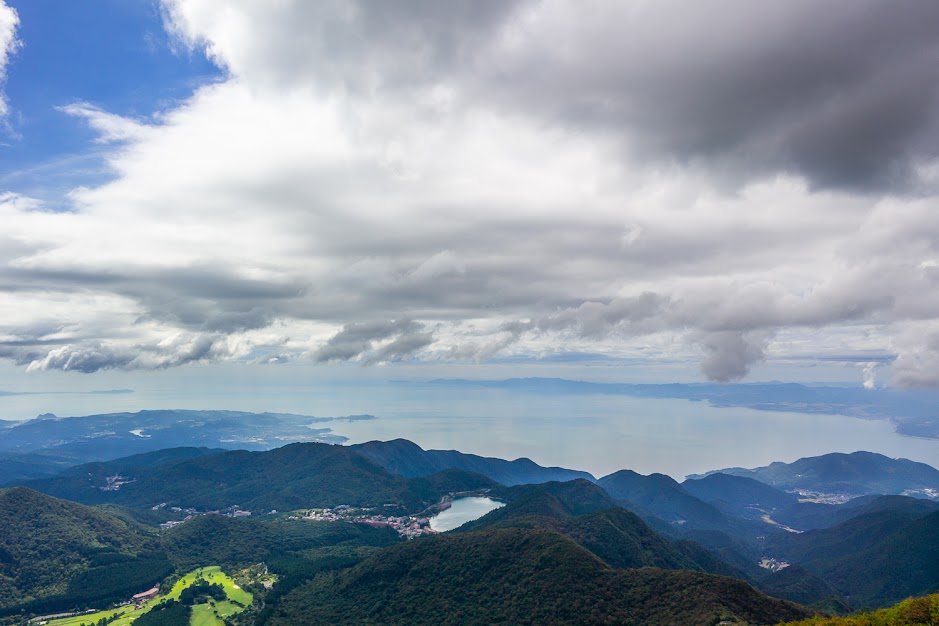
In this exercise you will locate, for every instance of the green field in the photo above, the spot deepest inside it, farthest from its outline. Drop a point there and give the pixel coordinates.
(211, 614)
(202, 614)
(129, 615)
(214, 575)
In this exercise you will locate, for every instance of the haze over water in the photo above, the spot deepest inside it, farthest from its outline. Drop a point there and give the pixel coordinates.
(602, 433)
(598, 433)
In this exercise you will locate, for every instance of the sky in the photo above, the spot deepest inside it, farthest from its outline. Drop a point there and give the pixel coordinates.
(669, 190)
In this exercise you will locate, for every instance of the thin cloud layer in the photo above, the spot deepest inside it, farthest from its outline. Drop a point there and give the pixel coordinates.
(379, 182)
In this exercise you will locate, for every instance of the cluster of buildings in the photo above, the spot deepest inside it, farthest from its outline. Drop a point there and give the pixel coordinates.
(932, 494)
(141, 598)
(406, 525)
(113, 483)
(232, 511)
(821, 498)
(772, 564)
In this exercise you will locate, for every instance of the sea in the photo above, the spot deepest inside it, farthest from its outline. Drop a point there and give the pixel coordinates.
(598, 433)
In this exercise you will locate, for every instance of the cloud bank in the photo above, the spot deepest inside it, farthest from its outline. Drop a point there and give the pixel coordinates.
(375, 182)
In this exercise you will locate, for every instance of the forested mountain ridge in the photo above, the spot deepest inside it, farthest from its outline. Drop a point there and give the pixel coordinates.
(920, 611)
(46, 542)
(410, 460)
(739, 495)
(58, 556)
(519, 576)
(872, 560)
(46, 445)
(718, 524)
(858, 473)
(583, 512)
(291, 477)
(662, 496)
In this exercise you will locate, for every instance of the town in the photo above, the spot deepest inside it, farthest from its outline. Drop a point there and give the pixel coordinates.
(408, 526)
(772, 564)
(232, 511)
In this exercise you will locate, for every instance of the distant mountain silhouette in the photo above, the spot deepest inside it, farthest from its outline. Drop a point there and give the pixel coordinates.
(738, 495)
(410, 460)
(858, 473)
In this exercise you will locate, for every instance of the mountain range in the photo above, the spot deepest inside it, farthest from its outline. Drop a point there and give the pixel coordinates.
(48, 444)
(660, 543)
(858, 473)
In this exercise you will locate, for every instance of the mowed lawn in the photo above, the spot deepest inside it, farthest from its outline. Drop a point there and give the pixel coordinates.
(129, 615)
(211, 614)
(213, 575)
(202, 614)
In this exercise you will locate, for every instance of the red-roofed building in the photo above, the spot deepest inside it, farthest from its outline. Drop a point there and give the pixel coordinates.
(140, 598)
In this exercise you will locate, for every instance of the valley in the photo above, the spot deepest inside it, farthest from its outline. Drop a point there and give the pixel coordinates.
(328, 523)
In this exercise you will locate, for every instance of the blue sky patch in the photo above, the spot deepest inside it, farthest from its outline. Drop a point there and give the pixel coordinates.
(114, 54)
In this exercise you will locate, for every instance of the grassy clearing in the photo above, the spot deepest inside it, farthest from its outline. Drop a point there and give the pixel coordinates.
(212, 614)
(213, 575)
(202, 614)
(128, 610)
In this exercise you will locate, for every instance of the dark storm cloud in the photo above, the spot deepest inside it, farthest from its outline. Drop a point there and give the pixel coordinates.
(843, 93)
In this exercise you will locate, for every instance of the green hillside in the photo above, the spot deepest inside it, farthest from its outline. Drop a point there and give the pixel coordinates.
(54, 553)
(294, 476)
(663, 497)
(738, 495)
(239, 542)
(584, 513)
(798, 585)
(517, 576)
(615, 535)
(813, 515)
(922, 611)
(58, 556)
(873, 560)
(558, 499)
(410, 460)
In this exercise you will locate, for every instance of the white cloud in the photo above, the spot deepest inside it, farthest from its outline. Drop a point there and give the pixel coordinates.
(341, 178)
(9, 21)
(110, 127)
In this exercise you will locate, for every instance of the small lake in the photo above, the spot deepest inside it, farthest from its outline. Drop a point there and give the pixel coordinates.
(461, 511)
